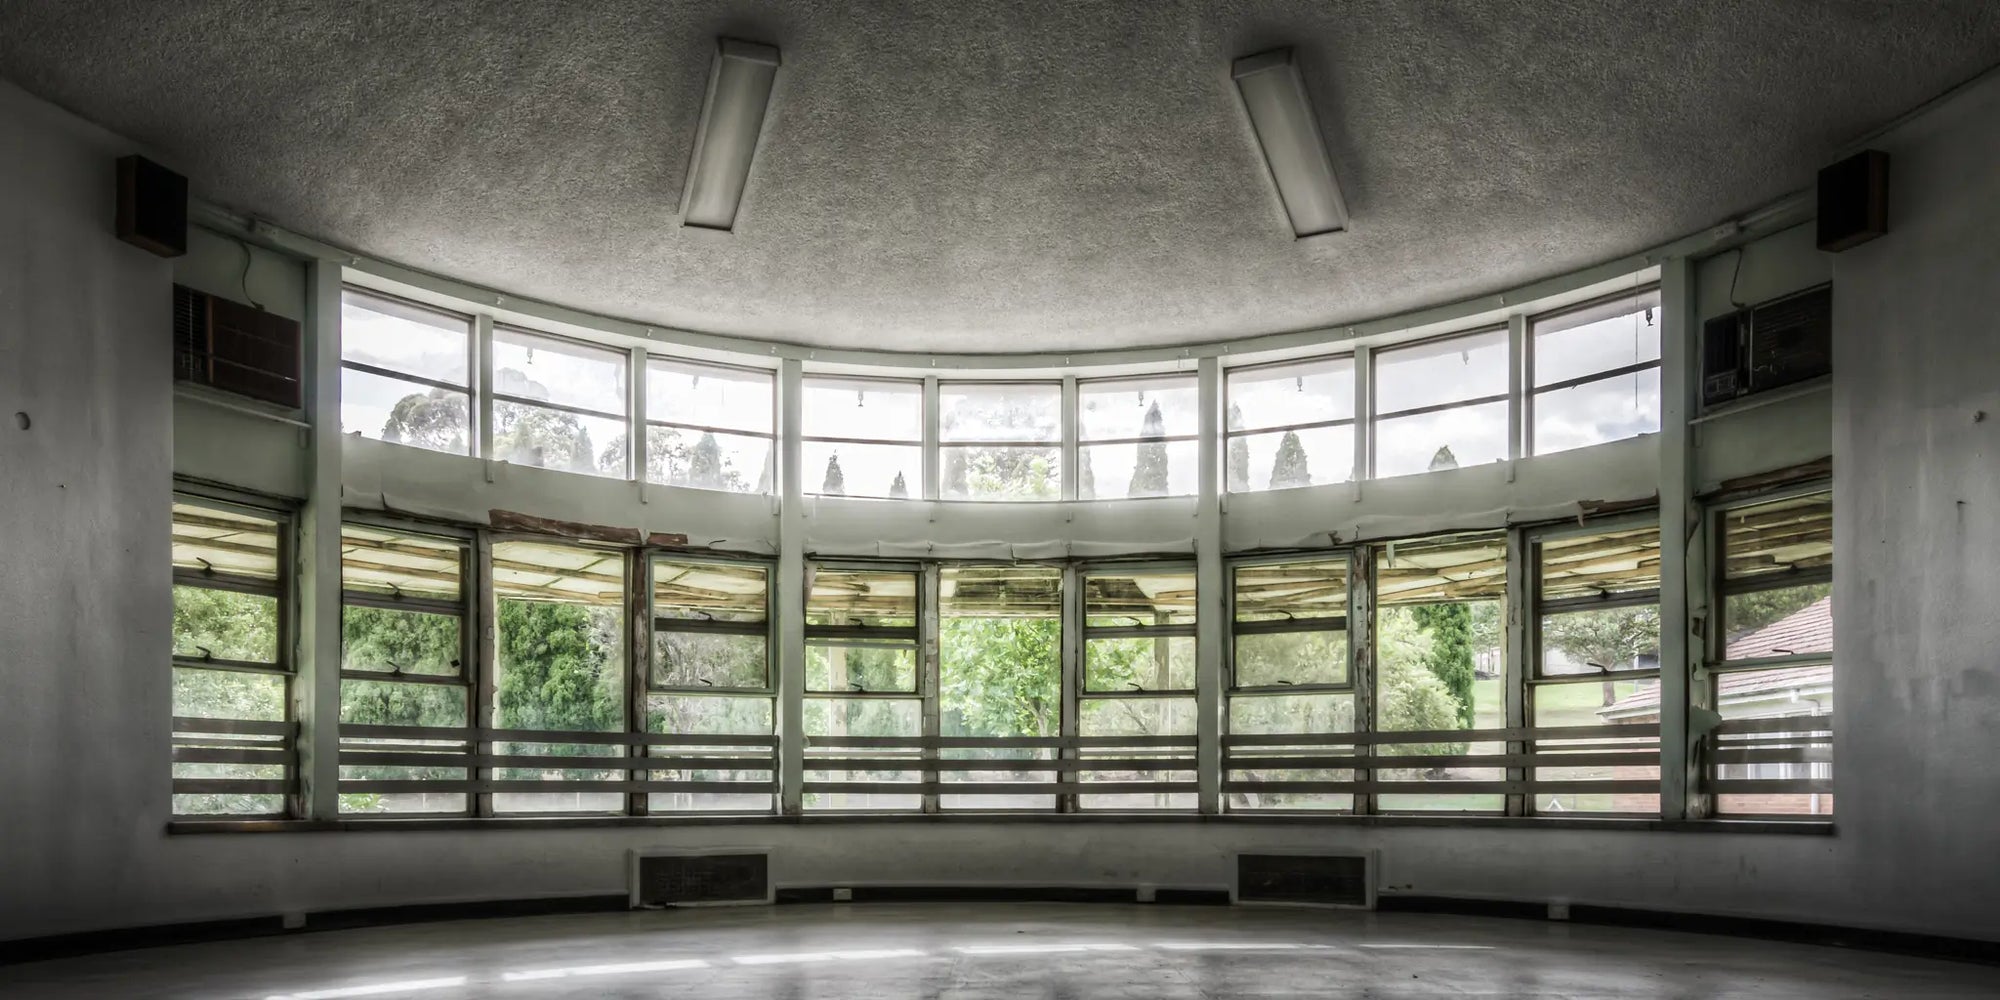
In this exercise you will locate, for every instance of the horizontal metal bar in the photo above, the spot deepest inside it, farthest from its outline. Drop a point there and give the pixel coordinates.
(459, 734)
(544, 404)
(1571, 383)
(1771, 755)
(1168, 439)
(1310, 425)
(386, 786)
(232, 755)
(1271, 626)
(1091, 632)
(1635, 674)
(712, 626)
(443, 680)
(1090, 694)
(222, 742)
(1606, 602)
(1640, 756)
(1770, 786)
(1444, 787)
(463, 758)
(825, 634)
(989, 764)
(233, 786)
(232, 666)
(1271, 690)
(234, 727)
(1782, 724)
(1415, 411)
(364, 367)
(995, 787)
(230, 582)
(894, 442)
(999, 742)
(389, 602)
(1646, 731)
(708, 429)
(1771, 662)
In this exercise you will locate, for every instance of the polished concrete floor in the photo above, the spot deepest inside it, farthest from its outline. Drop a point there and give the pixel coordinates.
(881, 951)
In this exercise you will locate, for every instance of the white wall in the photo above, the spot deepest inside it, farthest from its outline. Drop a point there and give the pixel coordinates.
(84, 685)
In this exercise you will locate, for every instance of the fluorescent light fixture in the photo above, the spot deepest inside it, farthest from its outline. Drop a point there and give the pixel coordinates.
(739, 89)
(1274, 95)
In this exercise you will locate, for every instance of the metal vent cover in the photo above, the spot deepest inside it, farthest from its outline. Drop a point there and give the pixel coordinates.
(1306, 879)
(700, 878)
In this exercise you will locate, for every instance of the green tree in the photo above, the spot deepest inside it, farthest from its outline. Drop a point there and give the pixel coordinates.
(1450, 655)
(1409, 697)
(433, 419)
(1239, 453)
(705, 465)
(1000, 676)
(1149, 469)
(1610, 639)
(558, 670)
(1289, 469)
(835, 484)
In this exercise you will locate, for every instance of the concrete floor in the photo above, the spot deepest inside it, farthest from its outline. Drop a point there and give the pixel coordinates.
(881, 951)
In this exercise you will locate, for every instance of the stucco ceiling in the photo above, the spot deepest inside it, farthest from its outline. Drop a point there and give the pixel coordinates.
(978, 176)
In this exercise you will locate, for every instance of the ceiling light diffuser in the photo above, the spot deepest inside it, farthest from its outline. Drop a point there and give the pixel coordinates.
(1274, 95)
(739, 89)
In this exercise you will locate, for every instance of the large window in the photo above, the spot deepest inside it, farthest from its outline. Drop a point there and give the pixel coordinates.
(232, 661)
(1771, 674)
(1000, 440)
(1137, 437)
(1595, 652)
(863, 682)
(405, 373)
(404, 651)
(1138, 683)
(1438, 669)
(1000, 678)
(559, 404)
(1441, 404)
(1289, 676)
(1289, 424)
(711, 677)
(710, 427)
(863, 438)
(559, 676)
(1595, 373)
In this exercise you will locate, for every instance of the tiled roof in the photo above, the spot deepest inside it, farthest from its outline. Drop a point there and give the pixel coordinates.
(1809, 629)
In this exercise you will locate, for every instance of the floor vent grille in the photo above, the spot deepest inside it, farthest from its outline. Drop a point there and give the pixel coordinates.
(699, 879)
(1306, 879)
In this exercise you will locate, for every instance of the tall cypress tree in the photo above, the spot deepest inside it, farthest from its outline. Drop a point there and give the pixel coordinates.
(899, 490)
(1444, 459)
(1086, 479)
(1149, 471)
(1239, 453)
(1289, 468)
(836, 482)
(705, 464)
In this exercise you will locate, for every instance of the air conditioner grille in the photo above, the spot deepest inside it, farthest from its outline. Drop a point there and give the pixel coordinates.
(1328, 880)
(691, 879)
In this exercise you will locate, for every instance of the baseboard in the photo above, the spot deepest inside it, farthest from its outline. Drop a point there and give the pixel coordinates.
(996, 894)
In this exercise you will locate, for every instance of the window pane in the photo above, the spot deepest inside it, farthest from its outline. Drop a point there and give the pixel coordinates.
(228, 694)
(399, 642)
(1446, 439)
(710, 591)
(404, 338)
(1139, 596)
(1799, 752)
(827, 719)
(388, 703)
(1318, 657)
(1287, 395)
(869, 409)
(1597, 338)
(681, 392)
(842, 668)
(557, 439)
(862, 597)
(399, 412)
(998, 411)
(560, 637)
(1136, 717)
(1000, 650)
(545, 369)
(694, 659)
(1139, 407)
(1287, 591)
(890, 471)
(705, 716)
(1158, 663)
(1601, 565)
(395, 564)
(1610, 409)
(1441, 371)
(973, 472)
(225, 541)
(1600, 641)
(1147, 469)
(1592, 640)
(225, 625)
(1283, 459)
(1589, 703)
(706, 460)
(1793, 535)
(1787, 621)
(1286, 714)
(1438, 642)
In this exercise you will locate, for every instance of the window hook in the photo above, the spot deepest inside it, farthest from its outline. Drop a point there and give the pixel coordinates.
(206, 654)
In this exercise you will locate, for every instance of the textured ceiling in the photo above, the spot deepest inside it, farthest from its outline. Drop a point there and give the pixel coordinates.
(955, 175)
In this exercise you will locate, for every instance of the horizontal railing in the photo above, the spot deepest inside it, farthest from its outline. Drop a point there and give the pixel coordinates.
(1297, 763)
(1801, 741)
(225, 745)
(1074, 765)
(469, 755)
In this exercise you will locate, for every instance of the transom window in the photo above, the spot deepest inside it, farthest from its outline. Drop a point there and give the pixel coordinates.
(710, 427)
(1441, 404)
(1289, 424)
(405, 373)
(710, 677)
(1137, 437)
(559, 404)
(1000, 440)
(863, 676)
(863, 437)
(1595, 373)
(1289, 676)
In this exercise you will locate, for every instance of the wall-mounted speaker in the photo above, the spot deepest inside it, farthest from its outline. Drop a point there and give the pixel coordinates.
(152, 207)
(1853, 201)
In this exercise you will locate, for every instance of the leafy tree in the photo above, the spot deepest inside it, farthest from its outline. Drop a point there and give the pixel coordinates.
(899, 490)
(1444, 459)
(1288, 469)
(705, 465)
(558, 668)
(1149, 470)
(1239, 453)
(1611, 638)
(547, 439)
(1450, 656)
(835, 484)
(1086, 478)
(1000, 676)
(433, 419)
(1409, 696)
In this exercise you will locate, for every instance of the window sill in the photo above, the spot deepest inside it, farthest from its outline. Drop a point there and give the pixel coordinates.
(460, 823)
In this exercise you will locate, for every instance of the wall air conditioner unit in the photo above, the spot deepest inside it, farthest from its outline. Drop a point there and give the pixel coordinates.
(236, 348)
(1767, 346)
(722, 877)
(1305, 878)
